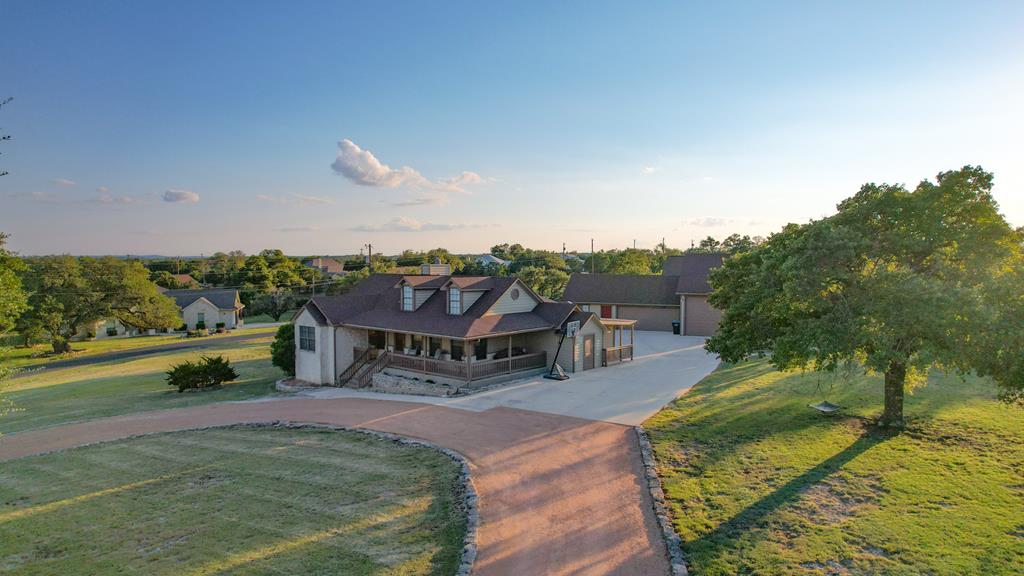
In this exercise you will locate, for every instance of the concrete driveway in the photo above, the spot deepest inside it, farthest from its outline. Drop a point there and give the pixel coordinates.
(664, 367)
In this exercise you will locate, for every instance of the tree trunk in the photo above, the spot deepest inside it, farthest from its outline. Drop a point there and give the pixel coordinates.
(60, 345)
(895, 377)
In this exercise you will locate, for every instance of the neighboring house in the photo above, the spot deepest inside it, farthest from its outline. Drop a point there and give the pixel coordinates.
(108, 328)
(679, 294)
(487, 259)
(450, 329)
(328, 266)
(210, 307)
(185, 280)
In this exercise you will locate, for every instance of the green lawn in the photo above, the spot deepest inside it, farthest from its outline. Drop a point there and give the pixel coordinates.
(264, 318)
(55, 396)
(232, 501)
(39, 354)
(761, 484)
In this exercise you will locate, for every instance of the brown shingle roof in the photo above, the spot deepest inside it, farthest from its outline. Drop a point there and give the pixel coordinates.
(622, 289)
(693, 271)
(376, 303)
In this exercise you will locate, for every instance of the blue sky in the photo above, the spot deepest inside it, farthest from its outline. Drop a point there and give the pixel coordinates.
(192, 127)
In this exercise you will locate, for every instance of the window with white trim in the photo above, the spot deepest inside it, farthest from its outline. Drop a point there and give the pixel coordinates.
(454, 300)
(307, 338)
(407, 298)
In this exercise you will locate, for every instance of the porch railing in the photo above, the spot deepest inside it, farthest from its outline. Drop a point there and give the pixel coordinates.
(617, 354)
(362, 356)
(364, 377)
(468, 370)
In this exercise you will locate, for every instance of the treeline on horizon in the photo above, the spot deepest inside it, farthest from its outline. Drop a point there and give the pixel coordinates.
(53, 298)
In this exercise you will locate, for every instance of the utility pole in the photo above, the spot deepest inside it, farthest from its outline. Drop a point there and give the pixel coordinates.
(369, 257)
(592, 255)
(634, 243)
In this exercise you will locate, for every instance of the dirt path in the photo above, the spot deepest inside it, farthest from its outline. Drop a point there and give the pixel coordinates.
(558, 495)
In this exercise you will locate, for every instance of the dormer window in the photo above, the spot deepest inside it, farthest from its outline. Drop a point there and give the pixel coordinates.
(454, 300)
(407, 298)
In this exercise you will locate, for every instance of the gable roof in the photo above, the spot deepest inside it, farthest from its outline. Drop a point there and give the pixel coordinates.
(375, 303)
(622, 289)
(184, 279)
(693, 271)
(222, 298)
(329, 265)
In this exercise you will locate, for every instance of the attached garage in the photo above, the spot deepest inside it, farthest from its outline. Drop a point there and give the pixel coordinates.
(701, 318)
(658, 318)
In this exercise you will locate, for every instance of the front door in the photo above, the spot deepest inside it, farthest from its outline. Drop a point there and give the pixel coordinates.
(606, 311)
(588, 352)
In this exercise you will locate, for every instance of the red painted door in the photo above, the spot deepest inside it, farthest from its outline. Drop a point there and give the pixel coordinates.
(606, 311)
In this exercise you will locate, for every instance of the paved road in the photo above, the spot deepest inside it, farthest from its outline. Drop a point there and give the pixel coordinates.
(185, 344)
(664, 367)
(557, 495)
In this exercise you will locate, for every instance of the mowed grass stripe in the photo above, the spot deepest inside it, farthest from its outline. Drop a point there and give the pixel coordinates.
(206, 507)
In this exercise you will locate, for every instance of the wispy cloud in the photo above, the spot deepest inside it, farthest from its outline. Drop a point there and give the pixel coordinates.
(363, 168)
(44, 197)
(422, 201)
(649, 169)
(298, 199)
(178, 196)
(299, 229)
(113, 199)
(63, 182)
(404, 224)
(709, 222)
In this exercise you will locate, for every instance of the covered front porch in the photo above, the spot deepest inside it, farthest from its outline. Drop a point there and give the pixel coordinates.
(463, 360)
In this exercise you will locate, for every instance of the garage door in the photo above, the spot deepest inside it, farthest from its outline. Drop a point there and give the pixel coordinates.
(701, 318)
(651, 317)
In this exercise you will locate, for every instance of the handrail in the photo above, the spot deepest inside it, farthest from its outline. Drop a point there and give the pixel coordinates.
(363, 379)
(354, 367)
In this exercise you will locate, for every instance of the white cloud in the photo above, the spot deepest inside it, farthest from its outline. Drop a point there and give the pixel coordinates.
(299, 199)
(363, 168)
(103, 189)
(649, 169)
(63, 182)
(405, 224)
(180, 196)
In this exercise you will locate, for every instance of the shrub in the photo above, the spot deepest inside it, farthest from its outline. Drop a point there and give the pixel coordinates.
(200, 325)
(111, 331)
(219, 325)
(282, 349)
(209, 372)
(183, 328)
(196, 334)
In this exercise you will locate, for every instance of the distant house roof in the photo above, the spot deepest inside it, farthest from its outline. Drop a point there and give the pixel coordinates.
(693, 271)
(622, 289)
(328, 265)
(490, 259)
(222, 298)
(184, 279)
(375, 303)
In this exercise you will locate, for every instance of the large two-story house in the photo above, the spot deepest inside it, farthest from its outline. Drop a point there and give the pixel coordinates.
(449, 329)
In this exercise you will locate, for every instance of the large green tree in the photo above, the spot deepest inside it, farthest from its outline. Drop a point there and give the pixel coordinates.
(897, 281)
(66, 294)
(12, 297)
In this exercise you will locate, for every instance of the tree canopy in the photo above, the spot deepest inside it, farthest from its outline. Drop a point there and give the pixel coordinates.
(12, 297)
(897, 281)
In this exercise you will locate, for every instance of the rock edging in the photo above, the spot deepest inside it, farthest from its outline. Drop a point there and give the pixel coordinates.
(668, 533)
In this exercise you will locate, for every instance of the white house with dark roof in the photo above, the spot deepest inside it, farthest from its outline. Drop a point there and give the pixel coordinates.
(448, 329)
(679, 294)
(209, 308)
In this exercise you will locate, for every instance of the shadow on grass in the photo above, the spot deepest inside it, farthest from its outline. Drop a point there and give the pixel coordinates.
(728, 533)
